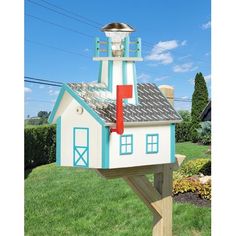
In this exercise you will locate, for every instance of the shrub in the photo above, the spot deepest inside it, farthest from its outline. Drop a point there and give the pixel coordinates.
(40, 145)
(183, 131)
(178, 175)
(192, 185)
(204, 133)
(196, 166)
(205, 191)
(185, 114)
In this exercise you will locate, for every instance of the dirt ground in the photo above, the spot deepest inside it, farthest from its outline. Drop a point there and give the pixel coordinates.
(193, 198)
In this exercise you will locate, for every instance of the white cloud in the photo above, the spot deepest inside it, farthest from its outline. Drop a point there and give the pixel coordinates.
(27, 90)
(41, 86)
(86, 49)
(52, 92)
(160, 52)
(206, 25)
(143, 77)
(184, 97)
(182, 105)
(160, 78)
(184, 68)
(184, 57)
(207, 78)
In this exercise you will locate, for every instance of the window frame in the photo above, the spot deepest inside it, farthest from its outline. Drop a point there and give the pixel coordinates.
(152, 143)
(126, 144)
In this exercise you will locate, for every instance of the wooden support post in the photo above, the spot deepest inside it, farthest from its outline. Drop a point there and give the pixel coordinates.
(157, 196)
(163, 184)
(144, 189)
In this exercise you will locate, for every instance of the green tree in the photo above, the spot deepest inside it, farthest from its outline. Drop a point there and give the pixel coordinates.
(43, 114)
(199, 101)
(185, 114)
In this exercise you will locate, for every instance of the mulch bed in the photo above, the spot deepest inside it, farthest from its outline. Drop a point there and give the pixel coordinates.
(192, 198)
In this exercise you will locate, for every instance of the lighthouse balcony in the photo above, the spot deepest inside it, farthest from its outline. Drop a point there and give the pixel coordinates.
(123, 50)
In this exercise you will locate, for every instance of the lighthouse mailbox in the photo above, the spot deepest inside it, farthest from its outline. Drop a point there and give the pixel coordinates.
(114, 122)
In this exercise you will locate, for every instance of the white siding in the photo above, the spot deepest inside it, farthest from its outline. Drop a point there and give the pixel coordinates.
(71, 119)
(104, 74)
(116, 76)
(130, 80)
(66, 98)
(139, 156)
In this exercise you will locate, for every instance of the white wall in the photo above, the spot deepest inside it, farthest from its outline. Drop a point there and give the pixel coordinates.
(70, 119)
(130, 80)
(117, 77)
(139, 156)
(104, 72)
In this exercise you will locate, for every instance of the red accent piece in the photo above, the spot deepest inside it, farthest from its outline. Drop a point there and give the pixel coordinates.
(122, 91)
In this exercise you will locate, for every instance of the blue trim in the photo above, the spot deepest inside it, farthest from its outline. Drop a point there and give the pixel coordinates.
(124, 72)
(152, 143)
(109, 50)
(66, 88)
(97, 47)
(135, 84)
(172, 143)
(86, 149)
(126, 144)
(100, 73)
(126, 47)
(58, 141)
(85, 105)
(56, 105)
(139, 48)
(105, 147)
(124, 76)
(110, 75)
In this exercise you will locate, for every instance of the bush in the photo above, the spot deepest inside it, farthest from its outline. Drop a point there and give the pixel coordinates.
(40, 145)
(183, 132)
(196, 166)
(204, 133)
(192, 185)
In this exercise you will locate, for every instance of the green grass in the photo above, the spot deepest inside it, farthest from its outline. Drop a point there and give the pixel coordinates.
(70, 201)
(192, 150)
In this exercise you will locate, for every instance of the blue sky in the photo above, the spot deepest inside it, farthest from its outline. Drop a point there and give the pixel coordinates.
(177, 36)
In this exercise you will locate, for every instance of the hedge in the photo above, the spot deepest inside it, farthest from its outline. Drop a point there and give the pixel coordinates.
(183, 132)
(40, 145)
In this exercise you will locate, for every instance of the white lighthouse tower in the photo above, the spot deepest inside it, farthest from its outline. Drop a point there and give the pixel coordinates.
(117, 56)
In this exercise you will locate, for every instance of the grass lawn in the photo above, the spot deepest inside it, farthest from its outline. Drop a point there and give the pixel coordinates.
(192, 150)
(71, 201)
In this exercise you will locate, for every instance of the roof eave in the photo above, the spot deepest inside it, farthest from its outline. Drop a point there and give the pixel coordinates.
(66, 88)
(146, 123)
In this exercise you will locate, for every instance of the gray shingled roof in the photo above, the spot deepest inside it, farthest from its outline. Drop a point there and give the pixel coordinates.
(153, 105)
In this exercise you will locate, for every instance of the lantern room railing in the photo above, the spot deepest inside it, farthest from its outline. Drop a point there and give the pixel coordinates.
(130, 48)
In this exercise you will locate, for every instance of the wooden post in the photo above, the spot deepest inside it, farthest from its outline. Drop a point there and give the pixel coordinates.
(157, 196)
(163, 184)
